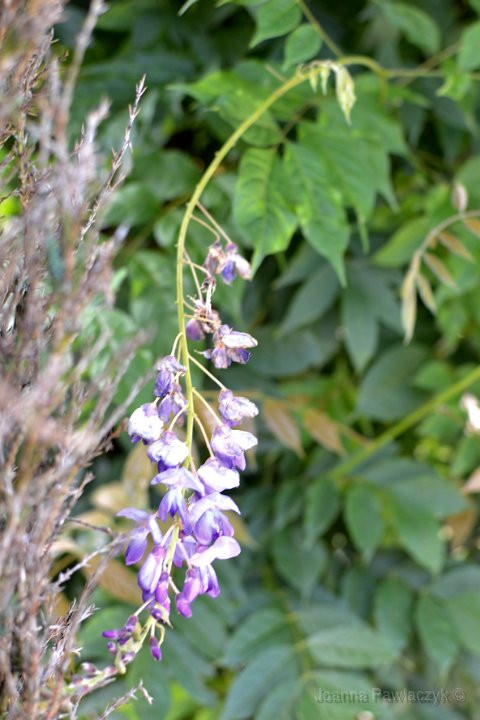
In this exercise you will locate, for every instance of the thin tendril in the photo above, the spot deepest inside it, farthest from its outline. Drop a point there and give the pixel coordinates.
(215, 224)
(192, 267)
(175, 343)
(207, 405)
(204, 433)
(180, 412)
(207, 372)
(206, 225)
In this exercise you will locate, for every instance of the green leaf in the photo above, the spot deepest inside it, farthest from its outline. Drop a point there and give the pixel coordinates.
(351, 647)
(372, 117)
(386, 392)
(132, 204)
(322, 503)
(373, 284)
(239, 105)
(300, 567)
(270, 668)
(120, 16)
(261, 629)
(438, 635)
(318, 204)
(205, 629)
(275, 18)
(301, 45)
(418, 532)
(465, 614)
(345, 696)
(311, 301)
(261, 209)
(357, 164)
(363, 514)
(419, 28)
(287, 504)
(313, 347)
(392, 610)
(166, 175)
(460, 580)
(235, 97)
(360, 323)
(188, 667)
(468, 56)
(401, 246)
(325, 616)
(432, 492)
(306, 707)
(301, 265)
(278, 704)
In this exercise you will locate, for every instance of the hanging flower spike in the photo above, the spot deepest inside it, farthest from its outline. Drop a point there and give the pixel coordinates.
(193, 506)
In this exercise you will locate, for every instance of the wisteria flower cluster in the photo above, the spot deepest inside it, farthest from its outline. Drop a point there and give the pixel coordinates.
(195, 529)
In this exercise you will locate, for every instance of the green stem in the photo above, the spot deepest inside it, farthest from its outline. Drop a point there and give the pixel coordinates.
(192, 204)
(403, 425)
(230, 143)
(319, 29)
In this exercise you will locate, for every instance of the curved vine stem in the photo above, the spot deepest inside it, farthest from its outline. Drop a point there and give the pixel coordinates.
(297, 79)
(301, 76)
(346, 467)
(318, 28)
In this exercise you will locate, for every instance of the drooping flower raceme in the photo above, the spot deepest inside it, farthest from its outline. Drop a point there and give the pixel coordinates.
(196, 530)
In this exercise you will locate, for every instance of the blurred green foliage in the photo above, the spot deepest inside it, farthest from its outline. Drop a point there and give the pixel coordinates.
(350, 579)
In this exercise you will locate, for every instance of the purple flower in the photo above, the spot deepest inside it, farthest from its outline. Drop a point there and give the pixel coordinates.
(170, 363)
(234, 264)
(208, 521)
(229, 445)
(172, 403)
(149, 573)
(198, 581)
(235, 409)
(217, 477)
(192, 587)
(215, 257)
(123, 634)
(169, 449)
(202, 531)
(194, 330)
(163, 383)
(226, 262)
(228, 271)
(179, 478)
(235, 340)
(173, 503)
(160, 608)
(186, 546)
(230, 346)
(223, 548)
(219, 357)
(145, 424)
(138, 537)
(155, 648)
(167, 369)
